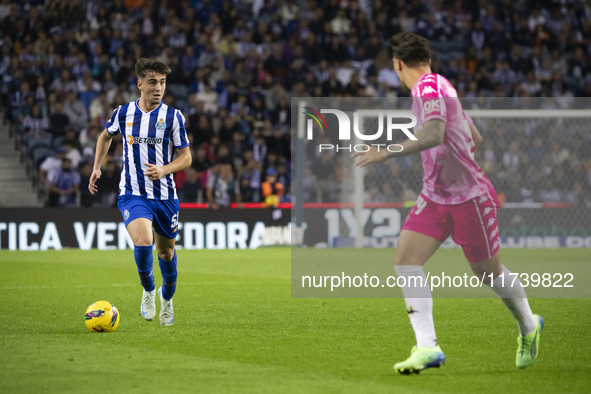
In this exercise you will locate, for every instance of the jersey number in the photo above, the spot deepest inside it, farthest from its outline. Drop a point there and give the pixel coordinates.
(175, 220)
(420, 204)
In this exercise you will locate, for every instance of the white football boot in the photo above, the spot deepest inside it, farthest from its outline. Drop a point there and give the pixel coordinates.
(166, 311)
(149, 304)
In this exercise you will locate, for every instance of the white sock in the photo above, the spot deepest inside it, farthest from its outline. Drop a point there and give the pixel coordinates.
(515, 300)
(419, 305)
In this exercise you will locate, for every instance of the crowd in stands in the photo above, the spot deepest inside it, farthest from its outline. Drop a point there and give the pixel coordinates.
(65, 65)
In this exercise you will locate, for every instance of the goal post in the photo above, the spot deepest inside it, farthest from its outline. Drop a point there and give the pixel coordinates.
(514, 120)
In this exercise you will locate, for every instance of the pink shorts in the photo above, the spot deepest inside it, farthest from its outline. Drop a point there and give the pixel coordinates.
(472, 225)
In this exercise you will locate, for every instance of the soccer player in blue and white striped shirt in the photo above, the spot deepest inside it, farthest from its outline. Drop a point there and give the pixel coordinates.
(153, 132)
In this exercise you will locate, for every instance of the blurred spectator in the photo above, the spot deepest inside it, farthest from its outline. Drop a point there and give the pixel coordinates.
(71, 138)
(72, 154)
(64, 83)
(332, 86)
(76, 112)
(246, 192)
(58, 121)
(200, 127)
(235, 72)
(99, 106)
(389, 76)
(228, 129)
(283, 176)
(223, 189)
(89, 136)
(36, 123)
(51, 164)
(63, 185)
(191, 186)
(252, 172)
(108, 184)
(512, 156)
(281, 115)
(86, 198)
(210, 99)
(271, 189)
(236, 147)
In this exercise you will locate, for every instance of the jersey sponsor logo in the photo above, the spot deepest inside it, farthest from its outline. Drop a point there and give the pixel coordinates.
(487, 210)
(430, 78)
(161, 125)
(129, 124)
(143, 140)
(491, 221)
(427, 90)
(431, 105)
(482, 199)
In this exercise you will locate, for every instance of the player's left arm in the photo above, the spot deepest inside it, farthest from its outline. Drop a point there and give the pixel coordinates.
(476, 137)
(183, 160)
(430, 135)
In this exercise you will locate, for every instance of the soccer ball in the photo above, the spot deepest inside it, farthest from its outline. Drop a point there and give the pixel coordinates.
(102, 316)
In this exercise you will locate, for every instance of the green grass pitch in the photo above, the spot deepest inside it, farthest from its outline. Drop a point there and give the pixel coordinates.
(238, 330)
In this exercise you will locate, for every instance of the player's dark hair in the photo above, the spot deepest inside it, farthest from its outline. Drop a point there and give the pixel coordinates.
(411, 48)
(144, 66)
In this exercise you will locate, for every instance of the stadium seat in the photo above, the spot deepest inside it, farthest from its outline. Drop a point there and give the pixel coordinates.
(40, 153)
(32, 143)
(57, 141)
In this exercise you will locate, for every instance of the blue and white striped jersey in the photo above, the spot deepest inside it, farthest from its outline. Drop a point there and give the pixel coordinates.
(149, 137)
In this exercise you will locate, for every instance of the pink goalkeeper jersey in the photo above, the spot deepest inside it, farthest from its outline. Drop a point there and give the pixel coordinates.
(450, 174)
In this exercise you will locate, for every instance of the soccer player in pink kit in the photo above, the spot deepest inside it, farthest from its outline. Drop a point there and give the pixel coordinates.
(457, 199)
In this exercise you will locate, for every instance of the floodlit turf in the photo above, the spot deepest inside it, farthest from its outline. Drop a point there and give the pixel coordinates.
(236, 329)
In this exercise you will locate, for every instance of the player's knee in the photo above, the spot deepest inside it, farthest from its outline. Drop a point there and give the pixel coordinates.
(484, 277)
(142, 241)
(402, 258)
(166, 254)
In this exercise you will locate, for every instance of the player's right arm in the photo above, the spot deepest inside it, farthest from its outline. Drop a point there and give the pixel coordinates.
(430, 135)
(102, 148)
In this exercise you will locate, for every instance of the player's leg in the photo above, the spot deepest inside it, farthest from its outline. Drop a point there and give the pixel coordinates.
(414, 249)
(165, 232)
(479, 237)
(167, 262)
(137, 219)
(512, 293)
(509, 291)
(424, 230)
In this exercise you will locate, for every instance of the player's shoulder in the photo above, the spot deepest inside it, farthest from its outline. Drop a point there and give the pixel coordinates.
(433, 85)
(123, 108)
(117, 109)
(177, 112)
(427, 86)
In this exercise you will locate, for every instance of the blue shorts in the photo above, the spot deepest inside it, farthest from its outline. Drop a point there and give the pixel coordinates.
(164, 214)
